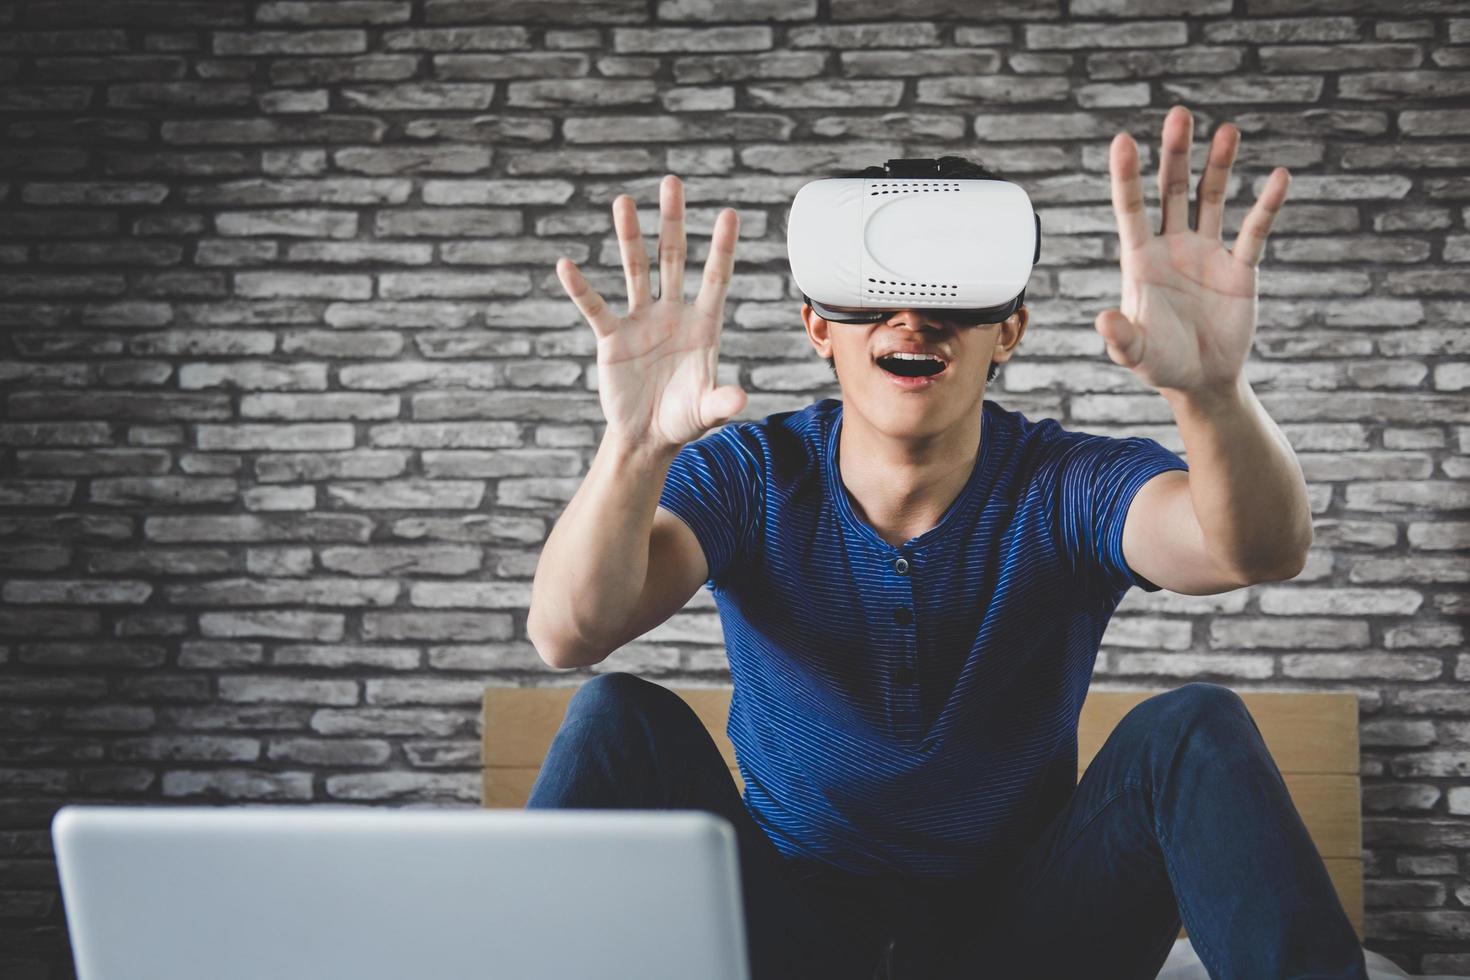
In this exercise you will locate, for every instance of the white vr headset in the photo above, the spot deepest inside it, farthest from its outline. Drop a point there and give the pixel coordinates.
(862, 247)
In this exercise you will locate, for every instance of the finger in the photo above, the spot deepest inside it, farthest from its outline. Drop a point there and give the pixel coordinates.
(719, 265)
(1127, 193)
(594, 308)
(1212, 182)
(1124, 341)
(673, 246)
(718, 405)
(1250, 242)
(635, 256)
(1174, 170)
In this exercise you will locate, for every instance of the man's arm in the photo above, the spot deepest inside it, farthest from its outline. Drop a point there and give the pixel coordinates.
(1185, 327)
(595, 561)
(656, 370)
(1240, 515)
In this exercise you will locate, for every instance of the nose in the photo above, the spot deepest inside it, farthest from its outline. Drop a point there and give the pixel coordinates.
(914, 319)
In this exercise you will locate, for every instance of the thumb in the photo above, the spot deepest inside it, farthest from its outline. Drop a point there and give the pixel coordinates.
(719, 405)
(1125, 341)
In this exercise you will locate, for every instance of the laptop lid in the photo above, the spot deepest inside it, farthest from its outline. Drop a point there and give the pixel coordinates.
(321, 892)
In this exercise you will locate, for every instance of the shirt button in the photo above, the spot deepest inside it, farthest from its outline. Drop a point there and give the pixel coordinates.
(903, 615)
(903, 676)
(901, 566)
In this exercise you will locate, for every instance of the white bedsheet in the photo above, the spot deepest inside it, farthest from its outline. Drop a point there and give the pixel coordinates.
(1184, 964)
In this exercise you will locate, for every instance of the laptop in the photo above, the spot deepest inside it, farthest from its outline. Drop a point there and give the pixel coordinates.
(340, 891)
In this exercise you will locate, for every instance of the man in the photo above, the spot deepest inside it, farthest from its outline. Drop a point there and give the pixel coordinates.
(913, 583)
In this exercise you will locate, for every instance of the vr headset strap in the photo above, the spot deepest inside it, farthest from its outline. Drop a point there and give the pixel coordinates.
(912, 167)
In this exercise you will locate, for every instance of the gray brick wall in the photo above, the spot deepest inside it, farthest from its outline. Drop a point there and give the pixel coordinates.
(292, 395)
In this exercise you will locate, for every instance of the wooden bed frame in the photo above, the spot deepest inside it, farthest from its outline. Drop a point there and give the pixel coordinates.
(1313, 738)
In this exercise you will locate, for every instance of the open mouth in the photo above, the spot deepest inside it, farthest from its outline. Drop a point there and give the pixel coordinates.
(910, 366)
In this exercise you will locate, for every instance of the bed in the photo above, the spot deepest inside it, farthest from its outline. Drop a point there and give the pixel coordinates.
(1312, 736)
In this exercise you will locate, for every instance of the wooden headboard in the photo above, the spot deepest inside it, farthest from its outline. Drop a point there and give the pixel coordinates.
(1313, 738)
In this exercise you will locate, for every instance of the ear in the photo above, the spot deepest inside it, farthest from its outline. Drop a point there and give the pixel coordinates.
(817, 330)
(1012, 329)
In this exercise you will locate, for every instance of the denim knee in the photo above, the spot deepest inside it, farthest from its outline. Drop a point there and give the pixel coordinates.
(619, 698)
(1211, 712)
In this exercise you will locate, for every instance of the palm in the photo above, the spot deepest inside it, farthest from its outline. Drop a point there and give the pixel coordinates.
(657, 365)
(1187, 317)
(655, 376)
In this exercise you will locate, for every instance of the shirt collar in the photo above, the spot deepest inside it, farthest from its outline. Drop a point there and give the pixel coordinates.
(970, 497)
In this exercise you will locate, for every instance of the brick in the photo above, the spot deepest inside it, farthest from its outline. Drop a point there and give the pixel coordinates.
(246, 527)
(327, 71)
(334, 13)
(1136, 34)
(459, 626)
(457, 39)
(680, 39)
(329, 752)
(407, 785)
(433, 96)
(499, 67)
(253, 375)
(150, 491)
(333, 405)
(424, 691)
(127, 655)
(324, 435)
(552, 94)
(231, 784)
(419, 285)
(38, 42)
(169, 95)
(394, 721)
(304, 223)
(517, 193)
(347, 655)
(152, 407)
(1313, 633)
(446, 435)
(319, 591)
(289, 42)
(400, 315)
(273, 285)
(321, 129)
(319, 466)
(336, 190)
(441, 158)
(447, 223)
(407, 494)
(823, 93)
(402, 559)
(186, 748)
(470, 595)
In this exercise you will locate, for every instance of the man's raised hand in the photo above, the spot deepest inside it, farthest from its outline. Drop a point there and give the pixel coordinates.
(1188, 312)
(656, 366)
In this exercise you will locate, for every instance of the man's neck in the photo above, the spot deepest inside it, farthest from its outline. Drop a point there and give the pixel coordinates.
(902, 487)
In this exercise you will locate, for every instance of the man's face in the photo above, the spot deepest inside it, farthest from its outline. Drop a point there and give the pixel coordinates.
(905, 407)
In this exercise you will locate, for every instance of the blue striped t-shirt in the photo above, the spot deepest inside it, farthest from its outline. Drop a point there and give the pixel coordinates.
(910, 710)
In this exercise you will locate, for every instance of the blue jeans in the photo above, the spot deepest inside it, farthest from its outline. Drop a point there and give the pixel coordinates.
(1181, 815)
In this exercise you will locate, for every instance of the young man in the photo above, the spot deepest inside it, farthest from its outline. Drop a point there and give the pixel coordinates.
(913, 583)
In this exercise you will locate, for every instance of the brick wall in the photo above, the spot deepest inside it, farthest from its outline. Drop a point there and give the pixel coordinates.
(292, 395)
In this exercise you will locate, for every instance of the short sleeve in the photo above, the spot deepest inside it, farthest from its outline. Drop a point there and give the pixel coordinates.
(1097, 478)
(714, 485)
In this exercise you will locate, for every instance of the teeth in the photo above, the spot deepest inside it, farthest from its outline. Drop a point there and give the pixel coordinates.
(905, 356)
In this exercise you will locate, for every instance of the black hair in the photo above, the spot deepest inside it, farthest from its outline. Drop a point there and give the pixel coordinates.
(949, 166)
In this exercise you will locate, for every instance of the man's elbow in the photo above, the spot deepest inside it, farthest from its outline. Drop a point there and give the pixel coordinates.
(558, 654)
(1283, 571)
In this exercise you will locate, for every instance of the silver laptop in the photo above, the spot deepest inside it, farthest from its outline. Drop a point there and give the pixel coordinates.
(337, 891)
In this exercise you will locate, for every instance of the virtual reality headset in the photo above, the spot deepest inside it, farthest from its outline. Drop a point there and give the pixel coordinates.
(961, 247)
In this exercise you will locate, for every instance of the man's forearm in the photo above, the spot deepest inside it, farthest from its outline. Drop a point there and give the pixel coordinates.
(595, 561)
(1247, 486)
